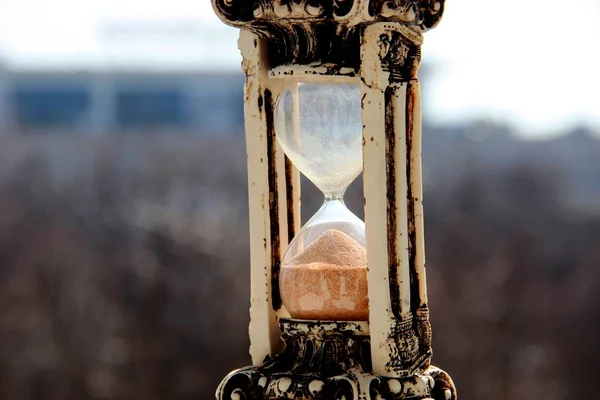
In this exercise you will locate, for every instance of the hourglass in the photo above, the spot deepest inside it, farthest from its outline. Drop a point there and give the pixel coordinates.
(331, 92)
(324, 270)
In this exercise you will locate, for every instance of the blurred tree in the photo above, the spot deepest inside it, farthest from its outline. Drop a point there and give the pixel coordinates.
(124, 279)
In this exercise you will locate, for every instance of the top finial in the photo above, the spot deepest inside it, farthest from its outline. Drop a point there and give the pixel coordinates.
(249, 14)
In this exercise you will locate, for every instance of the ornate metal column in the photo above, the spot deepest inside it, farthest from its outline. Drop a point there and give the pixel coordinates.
(376, 43)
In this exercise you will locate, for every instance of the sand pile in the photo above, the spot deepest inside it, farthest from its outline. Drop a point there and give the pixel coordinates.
(327, 280)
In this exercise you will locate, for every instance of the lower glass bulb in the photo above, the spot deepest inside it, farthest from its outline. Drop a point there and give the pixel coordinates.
(324, 271)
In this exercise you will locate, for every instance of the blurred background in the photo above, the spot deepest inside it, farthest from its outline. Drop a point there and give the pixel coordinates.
(123, 199)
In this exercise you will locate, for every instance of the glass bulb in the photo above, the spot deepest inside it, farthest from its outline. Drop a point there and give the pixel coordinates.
(324, 270)
(319, 126)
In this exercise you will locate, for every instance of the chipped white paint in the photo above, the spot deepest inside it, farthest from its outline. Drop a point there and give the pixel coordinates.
(417, 193)
(374, 177)
(382, 319)
(403, 271)
(318, 73)
(264, 333)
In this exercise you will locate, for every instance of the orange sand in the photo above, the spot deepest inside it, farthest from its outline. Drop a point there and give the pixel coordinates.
(327, 280)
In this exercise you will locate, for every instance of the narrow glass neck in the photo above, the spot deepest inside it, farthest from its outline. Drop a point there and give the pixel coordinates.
(335, 196)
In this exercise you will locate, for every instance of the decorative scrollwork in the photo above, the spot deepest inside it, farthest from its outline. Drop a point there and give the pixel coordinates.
(425, 13)
(423, 327)
(433, 14)
(331, 360)
(238, 385)
(235, 12)
(413, 387)
(422, 13)
(443, 386)
(240, 12)
(399, 54)
(331, 26)
(403, 346)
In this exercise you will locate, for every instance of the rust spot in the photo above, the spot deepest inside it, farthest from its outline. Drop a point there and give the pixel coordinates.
(260, 102)
(289, 192)
(411, 99)
(273, 200)
(392, 224)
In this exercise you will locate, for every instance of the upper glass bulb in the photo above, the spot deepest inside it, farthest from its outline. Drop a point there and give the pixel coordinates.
(319, 126)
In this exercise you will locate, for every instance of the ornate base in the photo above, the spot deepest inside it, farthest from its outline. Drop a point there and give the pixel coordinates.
(329, 361)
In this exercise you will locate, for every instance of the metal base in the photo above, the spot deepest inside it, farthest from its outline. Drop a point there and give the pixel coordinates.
(329, 361)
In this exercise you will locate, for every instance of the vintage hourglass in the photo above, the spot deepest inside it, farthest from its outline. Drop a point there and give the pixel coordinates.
(334, 85)
(323, 272)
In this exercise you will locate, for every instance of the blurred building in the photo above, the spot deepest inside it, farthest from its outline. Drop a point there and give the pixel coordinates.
(94, 103)
(128, 76)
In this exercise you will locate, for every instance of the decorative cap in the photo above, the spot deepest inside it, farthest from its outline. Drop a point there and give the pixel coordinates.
(324, 31)
(422, 15)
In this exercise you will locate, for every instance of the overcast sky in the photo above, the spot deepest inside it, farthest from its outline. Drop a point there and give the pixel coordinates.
(533, 63)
